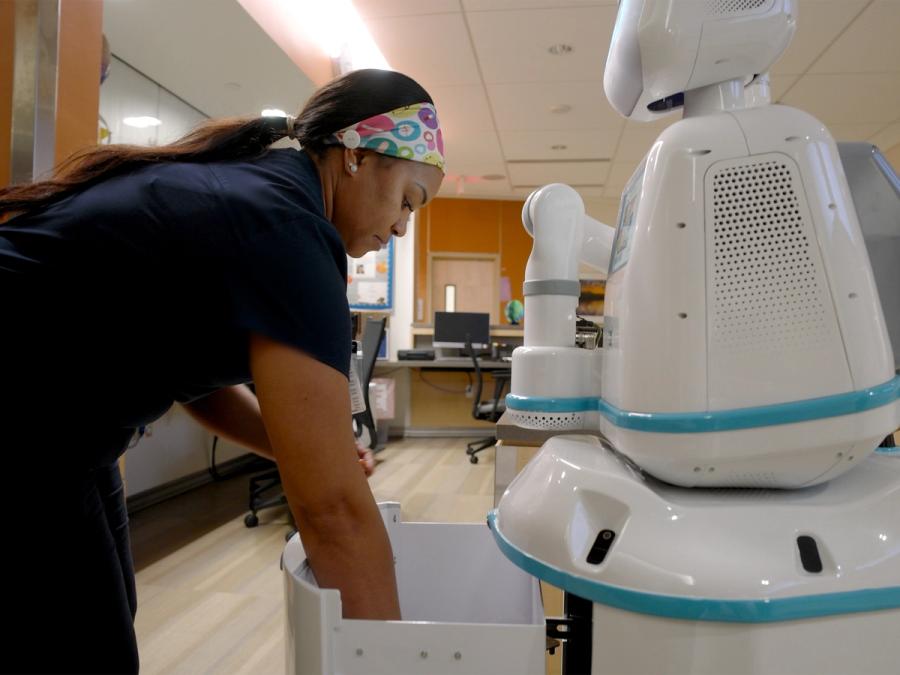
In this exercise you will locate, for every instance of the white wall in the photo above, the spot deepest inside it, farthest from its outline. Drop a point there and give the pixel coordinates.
(404, 282)
(127, 93)
(173, 447)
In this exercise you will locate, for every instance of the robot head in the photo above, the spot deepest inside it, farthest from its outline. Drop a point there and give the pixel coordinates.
(661, 49)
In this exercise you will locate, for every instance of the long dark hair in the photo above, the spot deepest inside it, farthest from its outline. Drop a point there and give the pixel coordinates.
(344, 101)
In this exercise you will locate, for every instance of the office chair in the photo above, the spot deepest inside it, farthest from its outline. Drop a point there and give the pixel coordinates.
(269, 481)
(488, 409)
(373, 336)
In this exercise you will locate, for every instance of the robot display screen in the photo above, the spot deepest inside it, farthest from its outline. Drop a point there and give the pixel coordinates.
(625, 228)
(453, 329)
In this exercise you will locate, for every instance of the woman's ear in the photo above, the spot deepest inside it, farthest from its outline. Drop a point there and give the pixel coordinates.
(352, 160)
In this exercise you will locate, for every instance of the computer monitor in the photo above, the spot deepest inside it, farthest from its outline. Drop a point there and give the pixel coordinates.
(452, 329)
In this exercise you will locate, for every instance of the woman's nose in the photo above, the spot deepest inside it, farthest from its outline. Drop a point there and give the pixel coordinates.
(399, 228)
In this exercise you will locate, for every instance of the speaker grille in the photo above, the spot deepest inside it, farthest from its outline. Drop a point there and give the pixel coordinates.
(733, 6)
(542, 420)
(767, 290)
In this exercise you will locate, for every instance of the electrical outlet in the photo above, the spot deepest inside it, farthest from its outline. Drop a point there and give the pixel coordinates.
(469, 391)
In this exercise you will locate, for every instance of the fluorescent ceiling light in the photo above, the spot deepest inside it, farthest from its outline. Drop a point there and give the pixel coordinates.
(273, 112)
(341, 33)
(142, 122)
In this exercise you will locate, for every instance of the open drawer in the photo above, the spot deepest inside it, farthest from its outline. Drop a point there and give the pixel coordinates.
(466, 609)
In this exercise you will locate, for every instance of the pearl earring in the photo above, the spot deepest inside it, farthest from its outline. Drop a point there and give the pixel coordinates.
(353, 168)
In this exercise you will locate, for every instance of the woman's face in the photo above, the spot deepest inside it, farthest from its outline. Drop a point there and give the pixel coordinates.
(375, 201)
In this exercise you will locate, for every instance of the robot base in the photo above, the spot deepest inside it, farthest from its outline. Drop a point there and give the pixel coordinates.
(713, 580)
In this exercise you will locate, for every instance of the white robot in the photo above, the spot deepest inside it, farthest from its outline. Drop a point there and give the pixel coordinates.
(723, 509)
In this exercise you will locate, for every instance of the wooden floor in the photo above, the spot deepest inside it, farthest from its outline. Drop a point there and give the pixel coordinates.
(210, 597)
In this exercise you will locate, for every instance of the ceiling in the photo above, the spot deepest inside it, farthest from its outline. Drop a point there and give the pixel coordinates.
(208, 52)
(495, 84)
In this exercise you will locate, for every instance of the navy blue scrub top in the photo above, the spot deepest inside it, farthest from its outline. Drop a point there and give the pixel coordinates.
(143, 289)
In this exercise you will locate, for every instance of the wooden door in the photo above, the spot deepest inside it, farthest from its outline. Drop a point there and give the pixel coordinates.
(476, 281)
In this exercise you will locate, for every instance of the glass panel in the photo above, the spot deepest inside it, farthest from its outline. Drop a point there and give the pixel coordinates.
(450, 298)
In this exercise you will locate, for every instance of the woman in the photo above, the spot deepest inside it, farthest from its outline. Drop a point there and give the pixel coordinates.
(141, 276)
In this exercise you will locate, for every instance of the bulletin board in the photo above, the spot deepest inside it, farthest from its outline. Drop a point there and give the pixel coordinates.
(370, 280)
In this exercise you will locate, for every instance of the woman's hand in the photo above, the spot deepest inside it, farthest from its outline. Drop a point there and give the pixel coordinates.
(366, 459)
(305, 406)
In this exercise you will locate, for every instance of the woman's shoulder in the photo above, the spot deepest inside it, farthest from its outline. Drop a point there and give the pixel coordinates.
(282, 181)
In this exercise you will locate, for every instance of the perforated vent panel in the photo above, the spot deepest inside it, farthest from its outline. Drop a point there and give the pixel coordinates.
(768, 290)
(719, 7)
(542, 420)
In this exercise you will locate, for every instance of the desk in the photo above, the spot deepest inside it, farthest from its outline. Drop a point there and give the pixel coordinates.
(430, 396)
(442, 364)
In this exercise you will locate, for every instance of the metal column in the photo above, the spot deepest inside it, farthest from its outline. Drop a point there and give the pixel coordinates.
(35, 63)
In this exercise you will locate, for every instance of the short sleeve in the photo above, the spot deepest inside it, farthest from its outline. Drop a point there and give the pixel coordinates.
(287, 282)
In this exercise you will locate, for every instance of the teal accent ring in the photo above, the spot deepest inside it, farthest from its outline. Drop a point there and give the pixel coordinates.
(718, 420)
(699, 609)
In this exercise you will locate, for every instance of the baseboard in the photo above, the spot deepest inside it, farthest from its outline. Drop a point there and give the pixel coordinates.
(446, 432)
(142, 500)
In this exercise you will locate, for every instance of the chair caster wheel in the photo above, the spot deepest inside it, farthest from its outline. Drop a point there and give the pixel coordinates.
(250, 520)
(473, 459)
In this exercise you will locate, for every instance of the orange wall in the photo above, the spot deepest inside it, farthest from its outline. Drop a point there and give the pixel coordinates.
(472, 226)
(78, 84)
(7, 45)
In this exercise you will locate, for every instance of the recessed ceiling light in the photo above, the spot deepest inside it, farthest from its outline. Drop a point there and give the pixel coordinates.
(559, 146)
(560, 49)
(273, 112)
(142, 122)
(560, 108)
(493, 176)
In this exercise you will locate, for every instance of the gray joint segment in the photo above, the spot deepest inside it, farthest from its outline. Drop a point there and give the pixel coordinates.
(552, 287)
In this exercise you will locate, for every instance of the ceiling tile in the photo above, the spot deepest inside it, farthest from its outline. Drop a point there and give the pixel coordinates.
(637, 138)
(434, 49)
(619, 173)
(887, 138)
(819, 22)
(590, 192)
(374, 9)
(474, 153)
(860, 98)
(462, 108)
(869, 45)
(594, 144)
(572, 173)
(780, 84)
(481, 5)
(526, 107)
(854, 132)
(482, 189)
(522, 55)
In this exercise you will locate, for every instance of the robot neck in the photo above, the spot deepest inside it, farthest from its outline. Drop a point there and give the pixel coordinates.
(714, 98)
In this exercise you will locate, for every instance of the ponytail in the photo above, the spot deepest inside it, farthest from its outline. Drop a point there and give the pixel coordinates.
(214, 140)
(345, 100)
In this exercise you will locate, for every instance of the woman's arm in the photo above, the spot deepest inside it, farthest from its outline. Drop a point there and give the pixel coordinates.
(233, 413)
(306, 409)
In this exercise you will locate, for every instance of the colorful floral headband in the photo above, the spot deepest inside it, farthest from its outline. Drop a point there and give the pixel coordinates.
(411, 132)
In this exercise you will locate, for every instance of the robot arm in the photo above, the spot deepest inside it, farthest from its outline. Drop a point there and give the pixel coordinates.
(563, 236)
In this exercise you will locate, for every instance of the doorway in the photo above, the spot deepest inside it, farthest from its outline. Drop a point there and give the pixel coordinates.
(469, 283)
